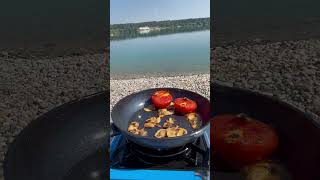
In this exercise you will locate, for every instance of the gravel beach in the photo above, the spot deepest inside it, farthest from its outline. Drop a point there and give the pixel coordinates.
(121, 88)
(31, 87)
(288, 70)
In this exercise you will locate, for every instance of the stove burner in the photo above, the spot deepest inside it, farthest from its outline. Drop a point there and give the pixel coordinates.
(151, 156)
(154, 153)
(129, 155)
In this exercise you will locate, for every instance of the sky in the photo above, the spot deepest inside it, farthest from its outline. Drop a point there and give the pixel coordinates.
(132, 11)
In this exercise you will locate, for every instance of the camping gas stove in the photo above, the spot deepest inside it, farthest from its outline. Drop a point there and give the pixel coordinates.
(131, 161)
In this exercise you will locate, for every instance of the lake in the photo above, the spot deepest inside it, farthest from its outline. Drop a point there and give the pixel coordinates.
(175, 53)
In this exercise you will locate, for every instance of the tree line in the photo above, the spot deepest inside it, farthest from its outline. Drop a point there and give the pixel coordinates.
(130, 30)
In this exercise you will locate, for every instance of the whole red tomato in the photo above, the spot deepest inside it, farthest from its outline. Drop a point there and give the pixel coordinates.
(240, 140)
(161, 99)
(185, 105)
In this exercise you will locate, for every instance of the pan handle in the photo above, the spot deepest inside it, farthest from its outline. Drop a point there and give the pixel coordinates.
(114, 131)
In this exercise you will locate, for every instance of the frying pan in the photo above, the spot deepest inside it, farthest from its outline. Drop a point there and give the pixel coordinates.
(131, 108)
(69, 142)
(299, 133)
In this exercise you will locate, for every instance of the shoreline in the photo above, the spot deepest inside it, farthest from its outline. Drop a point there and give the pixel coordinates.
(128, 76)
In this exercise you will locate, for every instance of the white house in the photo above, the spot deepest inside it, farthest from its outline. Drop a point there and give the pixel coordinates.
(145, 28)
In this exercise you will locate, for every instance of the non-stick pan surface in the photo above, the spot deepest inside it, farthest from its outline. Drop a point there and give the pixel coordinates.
(180, 120)
(131, 107)
(69, 142)
(299, 133)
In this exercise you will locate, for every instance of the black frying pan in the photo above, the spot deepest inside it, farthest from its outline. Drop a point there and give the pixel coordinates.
(67, 143)
(299, 133)
(128, 109)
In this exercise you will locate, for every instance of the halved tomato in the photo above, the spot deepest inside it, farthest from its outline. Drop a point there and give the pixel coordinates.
(240, 140)
(161, 99)
(185, 105)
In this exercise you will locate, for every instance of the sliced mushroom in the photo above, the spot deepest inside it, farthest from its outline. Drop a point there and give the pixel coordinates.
(181, 132)
(134, 123)
(193, 120)
(157, 120)
(171, 120)
(161, 133)
(149, 108)
(143, 132)
(134, 131)
(168, 123)
(133, 126)
(194, 125)
(172, 132)
(152, 122)
(149, 125)
(191, 116)
(264, 171)
(164, 112)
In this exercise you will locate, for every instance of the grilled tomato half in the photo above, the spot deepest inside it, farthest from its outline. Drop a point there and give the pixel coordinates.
(161, 99)
(240, 140)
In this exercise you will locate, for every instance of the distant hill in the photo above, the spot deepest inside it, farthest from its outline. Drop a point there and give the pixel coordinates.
(132, 30)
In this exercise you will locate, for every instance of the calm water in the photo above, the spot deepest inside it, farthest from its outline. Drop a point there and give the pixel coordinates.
(182, 52)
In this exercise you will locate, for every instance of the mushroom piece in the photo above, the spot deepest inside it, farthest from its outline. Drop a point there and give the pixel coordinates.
(149, 125)
(152, 122)
(168, 123)
(161, 133)
(193, 120)
(133, 126)
(164, 112)
(158, 120)
(194, 124)
(143, 132)
(134, 129)
(172, 132)
(191, 116)
(176, 131)
(264, 171)
(181, 132)
(149, 108)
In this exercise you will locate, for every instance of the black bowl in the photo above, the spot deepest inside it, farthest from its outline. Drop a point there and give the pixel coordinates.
(299, 133)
